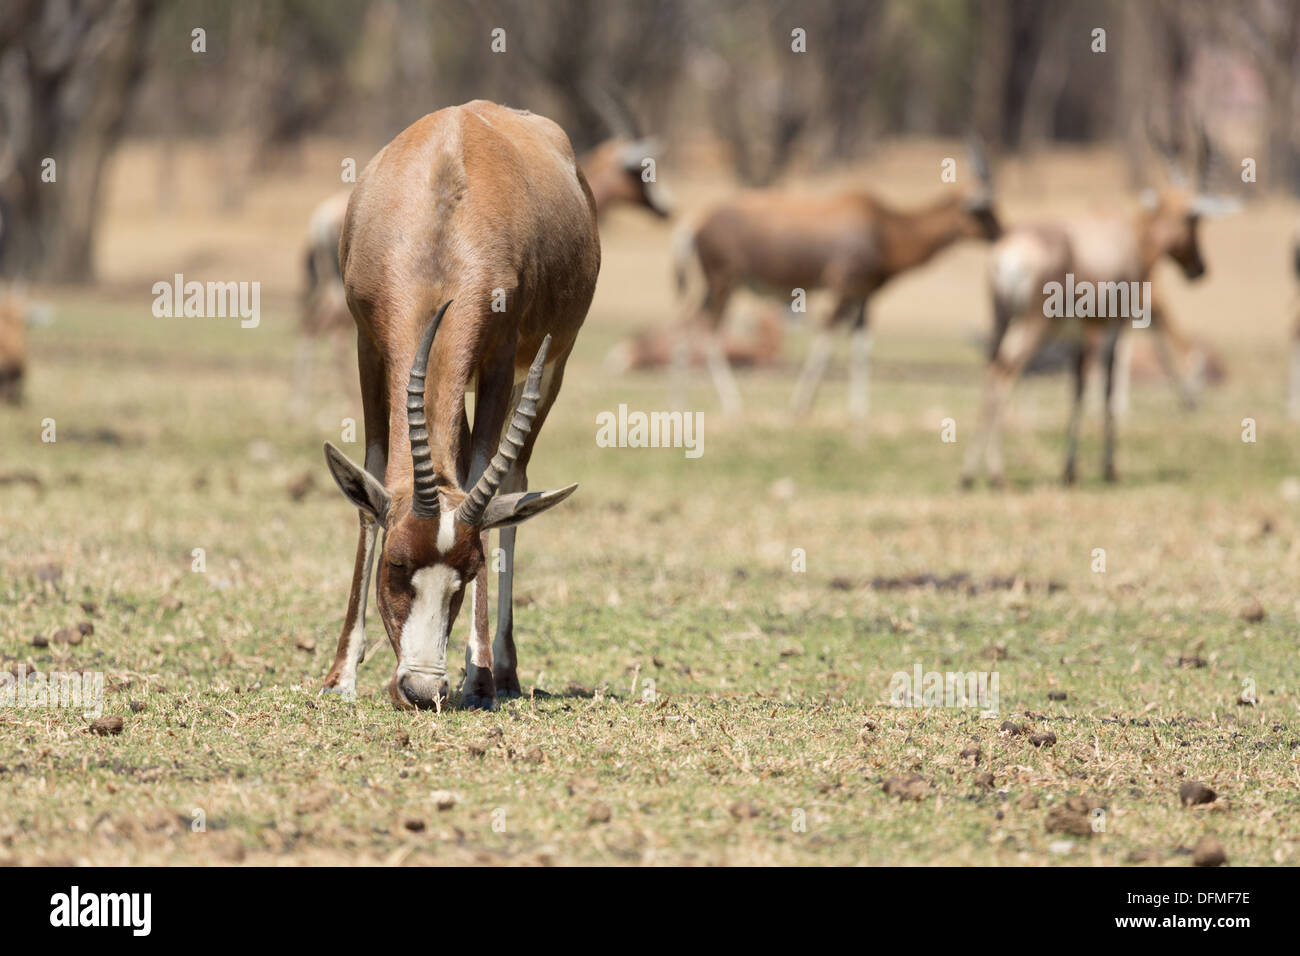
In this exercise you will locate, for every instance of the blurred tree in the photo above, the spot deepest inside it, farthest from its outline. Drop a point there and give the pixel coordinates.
(68, 70)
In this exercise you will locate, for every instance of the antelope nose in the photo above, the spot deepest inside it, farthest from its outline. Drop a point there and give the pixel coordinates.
(424, 691)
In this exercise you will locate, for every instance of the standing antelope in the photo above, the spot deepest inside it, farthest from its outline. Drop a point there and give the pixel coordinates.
(850, 243)
(484, 206)
(1105, 251)
(614, 174)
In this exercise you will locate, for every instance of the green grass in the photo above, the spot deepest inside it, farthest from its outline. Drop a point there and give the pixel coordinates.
(770, 687)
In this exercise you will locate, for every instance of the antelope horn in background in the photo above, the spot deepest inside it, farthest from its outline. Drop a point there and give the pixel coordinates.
(425, 499)
(631, 155)
(472, 508)
(979, 162)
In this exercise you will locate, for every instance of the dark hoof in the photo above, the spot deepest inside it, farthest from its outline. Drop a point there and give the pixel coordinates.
(334, 691)
(1111, 475)
(1069, 477)
(475, 702)
(967, 482)
(508, 685)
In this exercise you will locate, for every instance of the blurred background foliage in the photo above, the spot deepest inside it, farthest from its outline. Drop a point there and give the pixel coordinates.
(718, 78)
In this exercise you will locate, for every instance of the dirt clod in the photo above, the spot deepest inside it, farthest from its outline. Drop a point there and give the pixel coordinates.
(1044, 738)
(1252, 611)
(912, 787)
(107, 726)
(1068, 820)
(599, 813)
(1208, 852)
(1193, 792)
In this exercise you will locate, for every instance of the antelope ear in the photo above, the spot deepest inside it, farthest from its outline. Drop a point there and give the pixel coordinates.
(357, 484)
(506, 510)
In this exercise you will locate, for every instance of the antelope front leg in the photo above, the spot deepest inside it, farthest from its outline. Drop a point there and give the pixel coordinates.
(720, 371)
(810, 378)
(480, 690)
(342, 677)
(505, 661)
(1108, 414)
(1082, 366)
(859, 366)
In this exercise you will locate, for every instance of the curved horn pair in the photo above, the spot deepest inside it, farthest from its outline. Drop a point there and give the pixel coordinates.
(424, 501)
(521, 423)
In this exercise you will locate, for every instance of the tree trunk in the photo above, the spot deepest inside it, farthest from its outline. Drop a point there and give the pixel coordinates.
(66, 82)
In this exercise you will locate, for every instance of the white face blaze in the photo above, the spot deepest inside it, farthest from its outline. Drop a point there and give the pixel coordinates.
(424, 635)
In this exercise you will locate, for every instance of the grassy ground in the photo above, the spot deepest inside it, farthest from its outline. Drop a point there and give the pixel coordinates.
(693, 697)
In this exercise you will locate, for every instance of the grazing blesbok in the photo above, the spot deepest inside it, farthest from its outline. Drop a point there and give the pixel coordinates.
(13, 345)
(614, 173)
(485, 206)
(1106, 253)
(850, 243)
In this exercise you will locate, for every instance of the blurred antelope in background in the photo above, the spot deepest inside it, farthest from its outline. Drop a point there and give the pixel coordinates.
(324, 311)
(13, 344)
(850, 243)
(657, 347)
(1103, 250)
(485, 206)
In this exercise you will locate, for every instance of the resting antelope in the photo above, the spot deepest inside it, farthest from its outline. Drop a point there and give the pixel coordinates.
(477, 205)
(1101, 250)
(851, 244)
(655, 347)
(614, 174)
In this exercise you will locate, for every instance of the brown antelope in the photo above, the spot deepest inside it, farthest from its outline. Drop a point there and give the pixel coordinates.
(13, 345)
(614, 173)
(851, 244)
(655, 347)
(1108, 253)
(484, 206)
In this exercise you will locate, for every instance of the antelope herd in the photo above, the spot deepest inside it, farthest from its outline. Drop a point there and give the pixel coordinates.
(465, 260)
(467, 256)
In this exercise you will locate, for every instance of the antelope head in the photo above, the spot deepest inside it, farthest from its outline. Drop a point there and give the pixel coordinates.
(615, 170)
(433, 536)
(1171, 226)
(1172, 216)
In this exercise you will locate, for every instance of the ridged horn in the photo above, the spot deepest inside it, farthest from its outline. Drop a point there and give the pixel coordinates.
(424, 501)
(472, 508)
